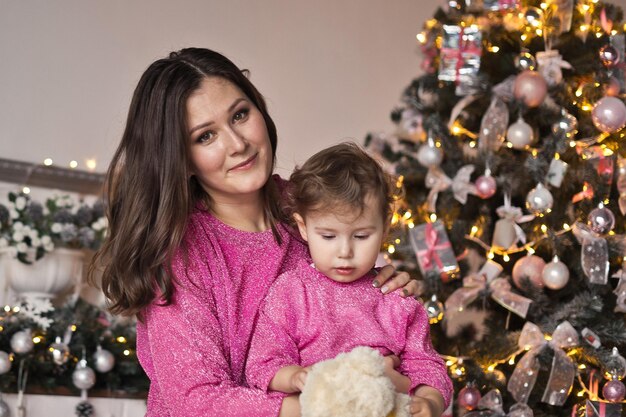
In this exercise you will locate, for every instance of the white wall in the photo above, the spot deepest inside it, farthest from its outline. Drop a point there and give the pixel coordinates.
(330, 69)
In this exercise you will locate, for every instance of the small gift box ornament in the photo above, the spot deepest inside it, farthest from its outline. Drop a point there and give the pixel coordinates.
(460, 54)
(433, 250)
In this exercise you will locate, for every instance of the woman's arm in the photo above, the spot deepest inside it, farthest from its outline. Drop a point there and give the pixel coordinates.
(181, 346)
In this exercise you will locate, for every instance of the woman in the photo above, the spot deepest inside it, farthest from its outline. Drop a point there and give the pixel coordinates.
(197, 234)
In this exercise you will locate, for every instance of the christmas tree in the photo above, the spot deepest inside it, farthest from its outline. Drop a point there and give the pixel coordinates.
(510, 162)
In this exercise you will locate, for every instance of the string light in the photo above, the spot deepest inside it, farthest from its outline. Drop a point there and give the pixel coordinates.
(126, 352)
(544, 228)
(47, 162)
(121, 339)
(505, 257)
(421, 37)
(391, 249)
(26, 190)
(91, 163)
(433, 217)
(73, 164)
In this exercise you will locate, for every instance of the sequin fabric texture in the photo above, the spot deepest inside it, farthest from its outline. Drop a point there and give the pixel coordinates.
(194, 350)
(307, 317)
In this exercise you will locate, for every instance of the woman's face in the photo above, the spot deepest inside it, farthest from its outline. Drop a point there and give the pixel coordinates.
(231, 154)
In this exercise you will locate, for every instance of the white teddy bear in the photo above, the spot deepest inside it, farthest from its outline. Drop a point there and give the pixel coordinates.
(352, 384)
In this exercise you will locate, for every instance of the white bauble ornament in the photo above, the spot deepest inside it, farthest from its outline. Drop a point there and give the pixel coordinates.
(83, 377)
(103, 360)
(539, 200)
(520, 134)
(59, 351)
(22, 341)
(429, 155)
(555, 274)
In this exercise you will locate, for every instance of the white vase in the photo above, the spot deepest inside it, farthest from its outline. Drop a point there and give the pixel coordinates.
(47, 277)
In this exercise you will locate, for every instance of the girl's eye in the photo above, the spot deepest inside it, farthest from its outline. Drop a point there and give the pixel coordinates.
(361, 237)
(241, 114)
(328, 237)
(206, 137)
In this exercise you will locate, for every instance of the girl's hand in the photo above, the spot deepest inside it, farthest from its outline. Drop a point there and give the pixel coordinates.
(298, 379)
(426, 402)
(401, 382)
(388, 280)
(290, 406)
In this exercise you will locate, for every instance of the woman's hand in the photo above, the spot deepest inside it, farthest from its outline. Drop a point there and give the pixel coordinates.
(401, 382)
(388, 280)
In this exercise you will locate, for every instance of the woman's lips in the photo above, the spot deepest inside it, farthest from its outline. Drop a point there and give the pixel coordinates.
(245, 164)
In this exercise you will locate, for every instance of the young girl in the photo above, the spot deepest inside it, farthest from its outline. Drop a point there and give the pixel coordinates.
(341, 203)
(196, 234)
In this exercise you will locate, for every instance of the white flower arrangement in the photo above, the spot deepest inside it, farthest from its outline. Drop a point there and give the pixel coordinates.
(29, 229)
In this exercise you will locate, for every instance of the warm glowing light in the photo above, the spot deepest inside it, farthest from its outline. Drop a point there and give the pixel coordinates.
(534, 153)
(557, 156)
(512, 360)
(491, 368)
(7, 308)
(16, 309)
(395, 218)
(474, 230)
(400, 181)
(572, 144)
(73, 164)
(523, 37)
(472, 144)
(421, 37)
(580, 393)
(505, 257)
(397, 241)
(449, 363)
(543, 6)
(37, 339)
(530, 250)
(509, 145)
(456, 130)
(433, 217)
(126, 352)
(565, 226)
(582, 366)
(73, 328)
(544, 228)
(91, 164)
(599, 35)
(494, 49)
(407, 215)
(411, 225)
(26, 190)
(490, 255)
(539, 32)
(47, 162)
(391, 249)
(121, 339)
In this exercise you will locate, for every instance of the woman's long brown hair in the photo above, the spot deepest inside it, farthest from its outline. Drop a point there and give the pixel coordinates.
(149, 189)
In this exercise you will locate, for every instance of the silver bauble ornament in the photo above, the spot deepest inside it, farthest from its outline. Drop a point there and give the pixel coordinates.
(555, 274)
(525, 61)
(539, 200)
(5, 362)
(103, 360)
(520, 134)
(609, 114)
(566, 126)
(429, 155)
(601, 220)
(83, 377)
(530, 87)
(434, 309)
(530, 267)
(22, 341)
(609, 56)
(59, 351)
(616, 364)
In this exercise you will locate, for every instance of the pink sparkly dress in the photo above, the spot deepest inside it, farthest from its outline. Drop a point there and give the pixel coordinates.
(194, 350)
(307, 317)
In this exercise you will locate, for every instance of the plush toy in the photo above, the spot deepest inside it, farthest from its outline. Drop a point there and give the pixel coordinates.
(352, 384)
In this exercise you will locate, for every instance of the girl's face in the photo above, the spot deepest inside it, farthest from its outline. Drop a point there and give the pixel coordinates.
(231, 154)
(344, 248)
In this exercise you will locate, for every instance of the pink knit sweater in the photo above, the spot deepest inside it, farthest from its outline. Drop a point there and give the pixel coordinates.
(307, 317)
(194, 350)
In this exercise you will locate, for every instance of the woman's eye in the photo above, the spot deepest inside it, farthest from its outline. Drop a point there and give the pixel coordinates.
(206, 137)
(241, 114)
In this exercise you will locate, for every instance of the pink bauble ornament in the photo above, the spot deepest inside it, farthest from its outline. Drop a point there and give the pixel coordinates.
(485, 186)
(469, 397)
(609, 56)
(531, 88)
(529, 267)
(609, 114)
(614, 391)
(601, 220)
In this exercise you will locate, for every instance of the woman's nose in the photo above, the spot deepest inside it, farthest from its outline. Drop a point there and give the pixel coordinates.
(236, 141)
